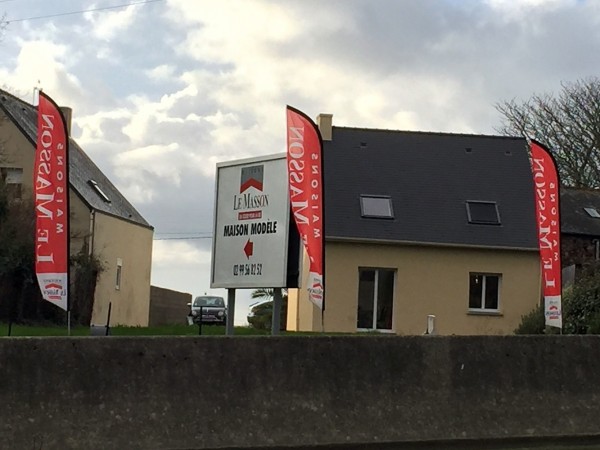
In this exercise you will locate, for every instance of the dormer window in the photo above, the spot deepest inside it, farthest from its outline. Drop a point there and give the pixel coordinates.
(483, 213)
(99, 191)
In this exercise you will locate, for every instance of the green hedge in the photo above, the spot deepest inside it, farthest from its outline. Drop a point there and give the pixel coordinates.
(580, 304)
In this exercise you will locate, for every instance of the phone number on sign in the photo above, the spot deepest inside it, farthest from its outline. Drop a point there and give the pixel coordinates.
(242, 270)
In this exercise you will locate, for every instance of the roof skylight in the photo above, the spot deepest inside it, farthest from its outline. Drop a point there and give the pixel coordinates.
(377, 206)
(483, 213)
(99, 191)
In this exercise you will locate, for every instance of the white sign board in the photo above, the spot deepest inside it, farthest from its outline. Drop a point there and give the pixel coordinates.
(250, 236)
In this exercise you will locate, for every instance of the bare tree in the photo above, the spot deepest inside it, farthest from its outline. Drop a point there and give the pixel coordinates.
(568, 123)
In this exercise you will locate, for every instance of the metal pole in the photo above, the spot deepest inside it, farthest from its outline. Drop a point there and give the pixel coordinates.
(323, 319)
(107, 329)
(11, 308)
(229, 330)
(200, 321)
(276, 319)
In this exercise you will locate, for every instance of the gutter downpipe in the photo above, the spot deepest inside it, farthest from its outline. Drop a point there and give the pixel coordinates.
(92, 232)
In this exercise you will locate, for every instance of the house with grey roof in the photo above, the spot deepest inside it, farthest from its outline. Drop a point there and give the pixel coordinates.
(580, 226)
(103, 222)
(424, 227)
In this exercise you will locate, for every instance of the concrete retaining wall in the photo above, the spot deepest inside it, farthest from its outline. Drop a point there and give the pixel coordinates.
(218, 392)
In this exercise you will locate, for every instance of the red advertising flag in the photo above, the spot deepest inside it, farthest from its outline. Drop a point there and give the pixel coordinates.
(305, 176)
(547, 197)
(51, 196)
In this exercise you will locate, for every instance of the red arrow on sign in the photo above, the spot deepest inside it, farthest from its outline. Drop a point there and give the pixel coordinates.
(249, 248)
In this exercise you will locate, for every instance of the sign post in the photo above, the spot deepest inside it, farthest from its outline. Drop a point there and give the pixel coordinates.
(229, 330)
(276, 319)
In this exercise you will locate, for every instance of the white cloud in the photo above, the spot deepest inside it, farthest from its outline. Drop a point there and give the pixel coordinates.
(162, 72)
(524, 8)
(106, 24)
(144, 168)
(91, 125)
(231, 30)
(148, 112)
(268, 60)
(39, 64)
(176, 253)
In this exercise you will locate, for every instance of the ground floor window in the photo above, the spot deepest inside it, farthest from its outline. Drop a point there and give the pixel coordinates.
(375, 299)
(12, 178)
(119, 274)
(484, 292)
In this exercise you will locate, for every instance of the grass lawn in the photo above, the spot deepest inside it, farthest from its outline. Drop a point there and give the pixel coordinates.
(167, 330)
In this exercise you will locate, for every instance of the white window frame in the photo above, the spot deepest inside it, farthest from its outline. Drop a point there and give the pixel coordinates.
(119, 274)
(99, 191)
(482, 308)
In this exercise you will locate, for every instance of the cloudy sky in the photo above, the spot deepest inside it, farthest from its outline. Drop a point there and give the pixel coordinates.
(162, 90)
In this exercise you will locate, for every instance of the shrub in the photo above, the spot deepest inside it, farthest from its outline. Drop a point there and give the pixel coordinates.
(581, 303)
(261, 316)
(580, 308)
(532, 323)
(85, 269)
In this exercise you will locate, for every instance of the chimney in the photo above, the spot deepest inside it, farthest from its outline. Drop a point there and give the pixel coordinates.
(68, 113)
(324, 122)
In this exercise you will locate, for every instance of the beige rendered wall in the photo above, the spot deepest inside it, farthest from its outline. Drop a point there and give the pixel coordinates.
(292, 312)
(302, 314)
(80, 224)
(115, 239)
(429, 280)
(16, 151)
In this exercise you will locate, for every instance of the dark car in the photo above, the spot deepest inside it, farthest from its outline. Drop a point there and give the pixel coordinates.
(208, 309)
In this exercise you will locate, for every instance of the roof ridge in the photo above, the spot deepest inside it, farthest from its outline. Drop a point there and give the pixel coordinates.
(580, 189)
(436, 133)
(105, 179)
(4, 93)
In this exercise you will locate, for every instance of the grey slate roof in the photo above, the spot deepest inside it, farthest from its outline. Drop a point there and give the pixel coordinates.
(82, 168)
(430, 177)
(574, 219)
